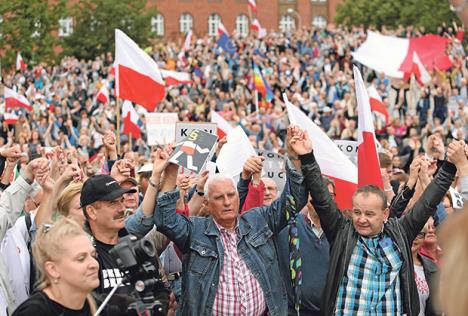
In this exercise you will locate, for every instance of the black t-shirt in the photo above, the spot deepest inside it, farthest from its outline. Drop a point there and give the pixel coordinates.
(39, 304)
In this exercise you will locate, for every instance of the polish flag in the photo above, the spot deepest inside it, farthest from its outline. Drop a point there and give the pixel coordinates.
(368, 159)
(15, 100)
(257, 27)
(253, 6)
(420, 72)
(131, 120)
(103, 95)
(376, 103)
(394, 56)
(332, 161)
(10, 118)
(223, 126)
(186, 47)
(174, 78)
(137, 76)
(20, 64)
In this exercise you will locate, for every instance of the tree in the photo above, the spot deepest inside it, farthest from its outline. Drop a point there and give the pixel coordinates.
(95, 21)
(426, 13)
(29, 26)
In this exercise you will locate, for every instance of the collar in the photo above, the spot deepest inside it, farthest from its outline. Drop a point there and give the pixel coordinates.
(213, 228)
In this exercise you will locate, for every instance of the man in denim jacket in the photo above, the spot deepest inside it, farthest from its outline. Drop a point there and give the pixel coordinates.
(230, 265)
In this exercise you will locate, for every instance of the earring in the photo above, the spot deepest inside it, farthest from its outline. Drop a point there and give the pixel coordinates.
(56, 280)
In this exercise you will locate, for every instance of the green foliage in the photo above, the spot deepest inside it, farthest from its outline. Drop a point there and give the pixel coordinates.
(426, 13)
(95, 21)
(29, 26)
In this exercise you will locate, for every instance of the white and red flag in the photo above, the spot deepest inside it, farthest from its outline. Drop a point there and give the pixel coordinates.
(420, 72)
(223, 126)
(332, 161)
(257, 27)
(368, 159)
(253, 6)
(186, 47)
(376, 104)
(131, 120)
(137, 75)
(394, 56)
(10, 118)
(103, 95)
(174, 78)
(15, 100)
(20, 64)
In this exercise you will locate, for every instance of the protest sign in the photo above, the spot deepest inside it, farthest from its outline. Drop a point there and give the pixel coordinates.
(193, 151)
(183, 129)
(273, 167)
(160, 128)
(349, 148)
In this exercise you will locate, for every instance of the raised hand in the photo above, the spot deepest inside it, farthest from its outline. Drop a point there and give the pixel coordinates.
(110, 142)
(201, 181)
(220, 145)
(12, 152)
(160, 162)
(456, 154)
(121, 170)
(299, 142)
(253, 165)
(414, 171)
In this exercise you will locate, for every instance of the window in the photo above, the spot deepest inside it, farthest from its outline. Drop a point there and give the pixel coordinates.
(157, 25)
(242, 25)
(213, 21)
(65, 26)
(186, 22)
(319, 21)
(287, 23)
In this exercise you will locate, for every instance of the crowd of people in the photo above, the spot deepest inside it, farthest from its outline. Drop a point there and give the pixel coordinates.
(71, 192)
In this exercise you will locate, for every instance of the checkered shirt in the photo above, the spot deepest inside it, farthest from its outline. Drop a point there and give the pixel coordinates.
(238, 293)
(371, 285)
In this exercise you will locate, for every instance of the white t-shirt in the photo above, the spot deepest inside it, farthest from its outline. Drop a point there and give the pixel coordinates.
(423, 288)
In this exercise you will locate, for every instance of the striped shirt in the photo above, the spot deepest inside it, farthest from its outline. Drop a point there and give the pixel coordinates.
(371, 285)
(238, 293)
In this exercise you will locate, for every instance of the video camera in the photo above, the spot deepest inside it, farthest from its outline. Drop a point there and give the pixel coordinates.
(136, 260)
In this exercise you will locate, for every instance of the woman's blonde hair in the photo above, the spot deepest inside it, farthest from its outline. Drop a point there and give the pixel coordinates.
(67, 195)
(49, 246)
(453, 272)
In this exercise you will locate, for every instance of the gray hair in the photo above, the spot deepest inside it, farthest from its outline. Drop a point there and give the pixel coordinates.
(215, 178)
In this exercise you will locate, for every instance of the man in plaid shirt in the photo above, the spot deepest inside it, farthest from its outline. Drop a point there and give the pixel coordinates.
(371, 267)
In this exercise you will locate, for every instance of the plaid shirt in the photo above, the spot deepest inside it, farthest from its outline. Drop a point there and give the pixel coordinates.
(238, 293)
(371, 285)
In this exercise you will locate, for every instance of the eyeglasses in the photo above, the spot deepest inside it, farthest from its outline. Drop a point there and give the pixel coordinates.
(421, 235)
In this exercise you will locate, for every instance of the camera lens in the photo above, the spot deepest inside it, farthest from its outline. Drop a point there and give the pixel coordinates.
(144, 250)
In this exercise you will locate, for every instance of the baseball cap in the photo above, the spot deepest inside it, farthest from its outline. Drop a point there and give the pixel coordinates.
(131, 180)
(101, 188)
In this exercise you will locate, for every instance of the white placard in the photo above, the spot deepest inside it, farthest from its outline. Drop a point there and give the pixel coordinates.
(160, 128)
(183, 129)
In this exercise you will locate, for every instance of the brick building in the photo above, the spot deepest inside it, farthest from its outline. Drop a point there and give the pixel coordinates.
(176, 17)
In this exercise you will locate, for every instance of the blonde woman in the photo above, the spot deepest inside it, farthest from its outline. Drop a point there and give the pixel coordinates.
(68, 272)
(68, 203)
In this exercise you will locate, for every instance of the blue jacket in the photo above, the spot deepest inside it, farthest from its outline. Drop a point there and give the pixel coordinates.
(199, 239)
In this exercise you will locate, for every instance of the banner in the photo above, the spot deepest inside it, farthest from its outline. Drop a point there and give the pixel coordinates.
(274, 167)
(183, 129)
(160, 128)
(193, 152)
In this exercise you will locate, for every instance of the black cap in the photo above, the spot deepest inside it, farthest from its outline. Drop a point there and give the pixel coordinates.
(101, 188)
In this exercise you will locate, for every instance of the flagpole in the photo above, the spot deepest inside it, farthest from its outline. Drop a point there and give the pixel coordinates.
(130, 141)
(118, 125)
(256, 102)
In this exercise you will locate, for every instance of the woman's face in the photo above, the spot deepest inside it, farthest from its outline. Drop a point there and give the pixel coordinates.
(77, 267)
(430, 232)
(76, 212)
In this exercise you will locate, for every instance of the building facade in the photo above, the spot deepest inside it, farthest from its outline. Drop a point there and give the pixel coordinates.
(176, 17)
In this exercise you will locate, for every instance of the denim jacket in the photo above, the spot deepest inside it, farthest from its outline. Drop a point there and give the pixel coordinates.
(199, 240)
(139, 224)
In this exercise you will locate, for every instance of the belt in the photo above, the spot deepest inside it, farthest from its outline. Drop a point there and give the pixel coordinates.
(174, 276)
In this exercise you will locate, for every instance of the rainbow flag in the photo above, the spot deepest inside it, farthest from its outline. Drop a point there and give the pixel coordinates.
(261, 85)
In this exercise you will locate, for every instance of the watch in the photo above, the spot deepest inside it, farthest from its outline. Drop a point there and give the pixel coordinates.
(153, 184)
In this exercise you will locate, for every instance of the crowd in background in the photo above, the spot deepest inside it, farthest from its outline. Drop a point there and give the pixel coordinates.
(312, 66)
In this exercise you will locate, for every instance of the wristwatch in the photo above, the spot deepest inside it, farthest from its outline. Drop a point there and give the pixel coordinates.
(153, 184)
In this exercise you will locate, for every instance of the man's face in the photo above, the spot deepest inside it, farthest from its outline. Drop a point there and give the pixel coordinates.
(368, 214)
(130, 200)
(107, 215)
(270, 192)
(223, 202)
